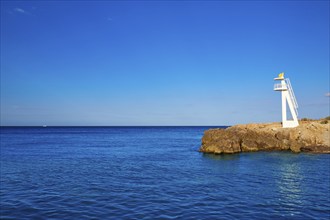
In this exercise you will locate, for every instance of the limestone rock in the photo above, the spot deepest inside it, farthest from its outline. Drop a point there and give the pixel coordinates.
(309, 136)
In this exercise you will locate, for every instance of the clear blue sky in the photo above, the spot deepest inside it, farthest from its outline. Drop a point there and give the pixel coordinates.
(161, 63)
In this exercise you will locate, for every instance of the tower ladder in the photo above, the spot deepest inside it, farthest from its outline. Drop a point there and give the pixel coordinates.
(292, 96)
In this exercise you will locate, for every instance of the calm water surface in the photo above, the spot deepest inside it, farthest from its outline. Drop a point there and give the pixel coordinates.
(152, 173)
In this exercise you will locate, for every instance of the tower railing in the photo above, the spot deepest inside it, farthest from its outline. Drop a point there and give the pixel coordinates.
(292, 96)
(279, 86)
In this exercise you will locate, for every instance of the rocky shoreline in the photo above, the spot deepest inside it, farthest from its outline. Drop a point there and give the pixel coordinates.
(310, 136)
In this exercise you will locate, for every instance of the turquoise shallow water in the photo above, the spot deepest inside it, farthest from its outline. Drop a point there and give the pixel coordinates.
(152, 173)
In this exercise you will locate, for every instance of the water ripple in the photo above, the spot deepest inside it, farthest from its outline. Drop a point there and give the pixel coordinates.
(152, 173)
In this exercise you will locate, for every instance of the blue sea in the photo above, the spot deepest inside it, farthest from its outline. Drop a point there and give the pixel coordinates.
(152, 173)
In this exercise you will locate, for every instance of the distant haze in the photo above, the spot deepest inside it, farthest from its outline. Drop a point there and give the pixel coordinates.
(161, 63)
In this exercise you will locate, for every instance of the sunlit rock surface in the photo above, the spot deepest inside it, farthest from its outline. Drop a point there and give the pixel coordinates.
(309, 136)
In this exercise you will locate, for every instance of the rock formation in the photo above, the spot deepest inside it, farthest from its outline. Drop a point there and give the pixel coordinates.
(309, 136)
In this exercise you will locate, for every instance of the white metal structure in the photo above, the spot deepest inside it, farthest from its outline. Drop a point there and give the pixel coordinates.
(287, 97)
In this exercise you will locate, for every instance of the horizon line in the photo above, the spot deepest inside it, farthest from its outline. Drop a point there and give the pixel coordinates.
(41, 126)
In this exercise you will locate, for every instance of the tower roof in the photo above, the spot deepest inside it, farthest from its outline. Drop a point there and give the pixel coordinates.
(280, 76)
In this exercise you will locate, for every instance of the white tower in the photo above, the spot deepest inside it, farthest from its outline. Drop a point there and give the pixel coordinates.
(287, 97)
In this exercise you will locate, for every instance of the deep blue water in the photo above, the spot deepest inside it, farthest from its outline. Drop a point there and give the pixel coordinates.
(152, 173)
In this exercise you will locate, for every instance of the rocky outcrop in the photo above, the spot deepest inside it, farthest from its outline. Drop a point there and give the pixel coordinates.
(309, 136)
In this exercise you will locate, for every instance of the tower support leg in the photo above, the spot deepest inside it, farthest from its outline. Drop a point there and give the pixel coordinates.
(285, 122)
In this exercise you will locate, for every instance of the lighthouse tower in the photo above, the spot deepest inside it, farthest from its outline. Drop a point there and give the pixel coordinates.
(284, 86)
